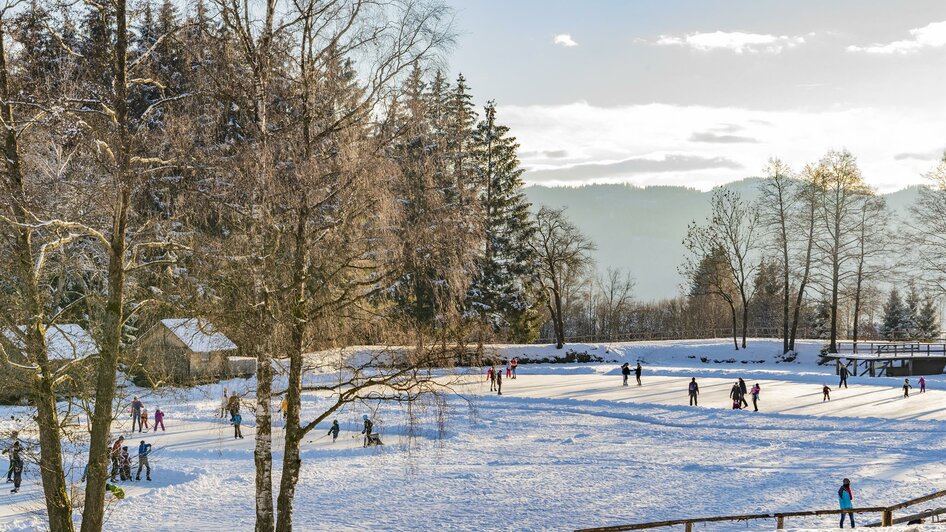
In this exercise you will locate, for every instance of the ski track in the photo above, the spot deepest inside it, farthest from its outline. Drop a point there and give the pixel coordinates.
(563, 448)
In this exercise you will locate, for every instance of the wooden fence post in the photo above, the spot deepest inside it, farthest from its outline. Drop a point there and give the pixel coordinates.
(689, 527)
(780, 522)
(886, 518)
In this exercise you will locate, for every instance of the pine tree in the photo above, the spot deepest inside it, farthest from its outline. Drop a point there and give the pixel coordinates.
(499, 294)
(892, 325)
(927, 322)
(911, 313)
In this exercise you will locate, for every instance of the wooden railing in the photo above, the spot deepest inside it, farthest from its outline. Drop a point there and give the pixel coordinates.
(886, 516)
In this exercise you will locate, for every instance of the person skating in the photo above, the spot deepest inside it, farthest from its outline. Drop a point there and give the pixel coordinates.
(922, 385)
(906, 388)
(136, 407)
(846, 500)
(694, 390)
(124, 462)
(754, 392)
(16, 442)
(637, 373)
(626, 371)
(735, 393)
(284, 407)
(514, 364)
(16, 465)
(367, 429)
(843, 374)
(508, 369)
(491, 375)
(224, 402)
(499, 383)
(237, 419)
(743, 391)
(334, 430)
(144, 450)
(826, 392)
(233, 406)
(158, 419)
(144, 419)
(114, 455)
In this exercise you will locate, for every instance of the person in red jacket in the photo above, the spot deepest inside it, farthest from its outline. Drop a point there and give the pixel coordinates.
(514, 364)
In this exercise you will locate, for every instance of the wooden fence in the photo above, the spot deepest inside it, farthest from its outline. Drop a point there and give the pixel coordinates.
(886, 516)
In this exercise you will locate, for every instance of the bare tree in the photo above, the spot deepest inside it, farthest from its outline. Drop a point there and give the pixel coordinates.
(778, 205)
(563, 257)
(841, 190)
(872, 251)
(730, 235)
(616, 288)
(928, 228)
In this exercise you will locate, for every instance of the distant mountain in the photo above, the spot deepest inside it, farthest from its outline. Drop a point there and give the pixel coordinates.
(641, 229)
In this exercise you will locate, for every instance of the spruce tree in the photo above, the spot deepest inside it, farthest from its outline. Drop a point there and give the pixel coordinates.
(911, 313)
(499, 294)
(892, 325)
(927, 322)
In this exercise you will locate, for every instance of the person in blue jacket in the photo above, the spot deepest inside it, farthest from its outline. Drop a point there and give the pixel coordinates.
(334, 430)
(846, 500)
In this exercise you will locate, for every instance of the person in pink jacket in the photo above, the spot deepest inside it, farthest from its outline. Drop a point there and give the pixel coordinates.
(922, 385)
(158, 419)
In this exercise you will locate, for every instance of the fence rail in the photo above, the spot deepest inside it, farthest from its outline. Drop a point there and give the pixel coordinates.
(886, 519)
(703, 334)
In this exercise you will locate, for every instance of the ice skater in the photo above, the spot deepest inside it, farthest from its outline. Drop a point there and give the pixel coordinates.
(754, 392)
(626, 371)
(514, 364)
(491, 375)
(826, 393)
(735, 393)
(843, 373)
(136, 406)
(922, 385)
(694, 390)
(16, 465)
(334, 430)
(508, 369)
(237, 419)
(367, 429)
(16, 443)
(223, 404)
(846, 501)
(144, 419)
(637, 373)
(499, 383)
(124, 462)
(233, 405)
(743, 391)
(158, 419)
(144, 450)
(906, 388)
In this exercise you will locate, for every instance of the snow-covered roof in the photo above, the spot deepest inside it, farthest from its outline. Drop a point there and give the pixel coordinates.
(65, 341)
(199, 335)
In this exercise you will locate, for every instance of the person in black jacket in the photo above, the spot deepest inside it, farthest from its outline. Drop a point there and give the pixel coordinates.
(736, 395)
(743, 392)
(626, 371)
(334, 430)
(16, 464)
(694, 390)
(637, 373)
(843, 373)
(367, 430)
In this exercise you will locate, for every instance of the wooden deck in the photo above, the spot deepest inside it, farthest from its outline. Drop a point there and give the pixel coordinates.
(890, 359)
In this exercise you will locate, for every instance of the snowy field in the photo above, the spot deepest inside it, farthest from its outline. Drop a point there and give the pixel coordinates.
(565, 446)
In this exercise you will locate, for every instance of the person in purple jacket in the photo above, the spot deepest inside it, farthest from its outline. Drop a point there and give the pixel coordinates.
(158, 419)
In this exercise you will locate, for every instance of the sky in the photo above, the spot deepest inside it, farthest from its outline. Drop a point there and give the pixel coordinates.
(699, 93)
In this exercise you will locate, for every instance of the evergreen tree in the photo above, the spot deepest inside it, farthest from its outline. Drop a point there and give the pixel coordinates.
(911, 313)
(927, 321)
(892, 324)
(499, 294)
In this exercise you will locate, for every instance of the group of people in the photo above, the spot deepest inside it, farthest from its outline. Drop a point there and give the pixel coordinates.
(738, 394)
(231, 404)
(495, 377)
(139, 417)
(626, 372)
(121, 460)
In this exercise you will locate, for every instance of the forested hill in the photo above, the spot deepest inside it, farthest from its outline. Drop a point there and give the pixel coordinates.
(642, 229)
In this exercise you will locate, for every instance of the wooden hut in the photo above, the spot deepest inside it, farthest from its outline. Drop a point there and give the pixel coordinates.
(188, 350)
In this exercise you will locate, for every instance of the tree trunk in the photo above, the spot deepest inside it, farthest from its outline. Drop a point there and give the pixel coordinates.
(58, 504)
(800, 297)
(835, 282)
(857, 302)
(559, 320)
(745, 322)
(735, 334)
(786, 289)
(294, 432)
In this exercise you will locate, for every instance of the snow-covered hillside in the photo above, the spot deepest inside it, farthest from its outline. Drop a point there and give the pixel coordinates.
(565, 446)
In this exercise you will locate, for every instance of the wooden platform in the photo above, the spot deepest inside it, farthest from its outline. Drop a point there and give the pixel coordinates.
(890, 359)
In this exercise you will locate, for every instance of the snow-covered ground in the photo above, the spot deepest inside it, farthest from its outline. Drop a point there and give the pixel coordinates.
(565, 446)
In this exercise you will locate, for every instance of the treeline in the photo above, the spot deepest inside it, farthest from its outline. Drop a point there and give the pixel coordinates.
(816, 254)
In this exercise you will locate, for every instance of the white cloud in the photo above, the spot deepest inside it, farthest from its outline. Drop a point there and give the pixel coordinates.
(564, 39)
(603, 136)
(932, 35)
(733, 41)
